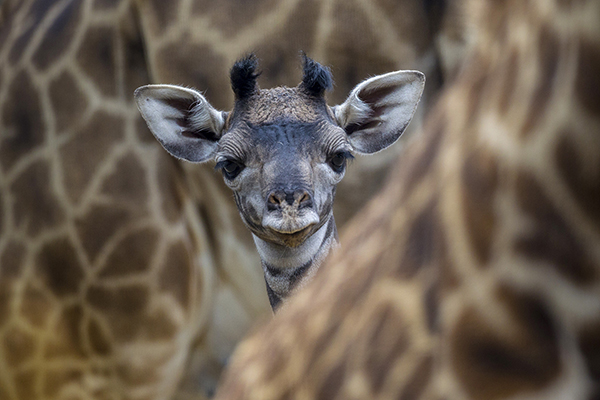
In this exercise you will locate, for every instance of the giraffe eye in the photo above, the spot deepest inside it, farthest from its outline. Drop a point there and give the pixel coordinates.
(338, 160)
(231, 169)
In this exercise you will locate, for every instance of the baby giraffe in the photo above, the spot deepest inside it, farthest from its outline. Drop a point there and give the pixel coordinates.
(283, 151)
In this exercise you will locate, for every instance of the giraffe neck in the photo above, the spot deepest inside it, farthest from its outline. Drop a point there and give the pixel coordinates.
(287, 268)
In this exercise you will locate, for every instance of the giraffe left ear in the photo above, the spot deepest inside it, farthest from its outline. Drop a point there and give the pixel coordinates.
(378, 110)
(182, 120)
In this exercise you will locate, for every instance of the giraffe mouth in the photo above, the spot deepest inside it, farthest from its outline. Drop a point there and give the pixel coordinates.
(290, 223)
(291, 230)
(293, 238)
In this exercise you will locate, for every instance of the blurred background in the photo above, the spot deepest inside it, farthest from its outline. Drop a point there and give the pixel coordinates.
(125, 273)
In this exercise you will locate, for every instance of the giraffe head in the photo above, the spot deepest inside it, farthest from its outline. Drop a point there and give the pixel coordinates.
(283, 150)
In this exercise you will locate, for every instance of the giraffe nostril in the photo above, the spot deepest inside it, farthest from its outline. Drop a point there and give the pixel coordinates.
(305, 200)
(274, 199)
(294, 198)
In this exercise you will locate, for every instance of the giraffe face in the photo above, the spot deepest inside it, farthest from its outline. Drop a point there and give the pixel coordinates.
(284, 173)
(282, 151)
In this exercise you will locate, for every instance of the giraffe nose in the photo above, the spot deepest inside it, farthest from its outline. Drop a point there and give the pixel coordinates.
(300, 198)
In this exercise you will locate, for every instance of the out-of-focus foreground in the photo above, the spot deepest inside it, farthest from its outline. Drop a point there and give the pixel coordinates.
(475, 274)
(125, 274)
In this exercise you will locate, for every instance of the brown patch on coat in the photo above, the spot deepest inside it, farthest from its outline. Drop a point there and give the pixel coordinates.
(11, 261)
(106, 4)
(177, 274)
(431, 303)
(97, 56)
(142, 132)
(492, 364)
(163, 14)
(133, 255)
(59, 36)
(479, 175)
(416, 167)
(196, 65)
(510, 73)
(98, 226)
(332, 383)
(589, 345)
(572, 167)
(385, 345)
(130, 299)
(419, 379)
(551, 239)
(7, 28)
(279, 52)
(321, 342)
(136, 72)
(1, 213)
(475, 79)
(24, 126)
(230, 17)
(160, 326)
(587, 84)
(353, 49)
(123, 307)
(38, 10)
(89, 148)
(425, 244)
(57, 379)
(26, 384)
(59, 268)
(6, 300)
(68, 102)
(67, 340)
(170, 187)
(36, 206)
(99, 339)
(548, 59)
(137, 374)
(35, 306)
(18, 347)
(3, 391)
(128, 184)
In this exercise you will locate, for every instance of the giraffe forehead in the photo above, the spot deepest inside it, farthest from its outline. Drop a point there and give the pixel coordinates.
(291, 138)
(283, 105)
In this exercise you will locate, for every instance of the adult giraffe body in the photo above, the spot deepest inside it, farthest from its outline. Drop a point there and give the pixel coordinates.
(121, 274)
(475, 274)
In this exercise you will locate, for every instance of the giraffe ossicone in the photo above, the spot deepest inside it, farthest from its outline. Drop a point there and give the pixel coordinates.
(283, 151)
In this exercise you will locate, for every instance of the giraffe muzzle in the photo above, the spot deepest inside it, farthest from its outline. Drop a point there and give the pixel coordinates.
(290, 215)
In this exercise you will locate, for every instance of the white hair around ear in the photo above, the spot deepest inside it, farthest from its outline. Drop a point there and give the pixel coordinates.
(378, 110)
(182, 120)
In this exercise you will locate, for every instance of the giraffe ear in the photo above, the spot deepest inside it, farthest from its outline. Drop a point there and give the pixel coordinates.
(182, 120)
(378, 110)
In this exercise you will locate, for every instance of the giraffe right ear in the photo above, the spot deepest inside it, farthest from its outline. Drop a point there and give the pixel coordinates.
(379, 109)
(182, 120)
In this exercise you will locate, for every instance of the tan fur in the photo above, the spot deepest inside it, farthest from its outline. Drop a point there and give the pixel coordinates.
(114, 283)
(475, 273)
